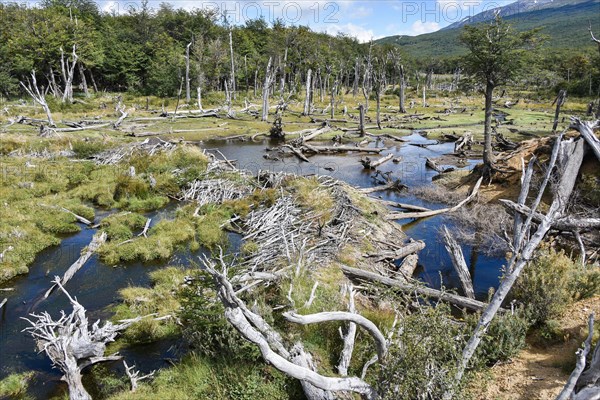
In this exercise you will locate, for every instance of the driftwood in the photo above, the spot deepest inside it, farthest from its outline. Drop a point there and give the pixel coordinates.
(94, 245)
(425, 214)
(464, 143)
(408, 266)
(295, 363)
(430, 163)
(567, 391)
(349, 337)
(134, 376)
(72, 343)
(77, 217)
(561, 224)
(3, 302)
(586, 129)
(464, 302)
(344, 149)
(391, 185)
(400, 205)
(459, 263)
(296, 152)
(372, 164)
(399, 253)
(146, 226)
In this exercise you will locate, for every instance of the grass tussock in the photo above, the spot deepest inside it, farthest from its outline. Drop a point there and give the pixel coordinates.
(198, 377)
(14, 386)
(162, 241)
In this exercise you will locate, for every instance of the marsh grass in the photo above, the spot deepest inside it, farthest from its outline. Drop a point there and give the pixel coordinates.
(161, 298)
(14, 386)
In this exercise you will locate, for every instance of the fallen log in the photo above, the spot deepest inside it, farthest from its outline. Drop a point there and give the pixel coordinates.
(77, 217)
(586, 129)
(372, 164)
(425, 214)
(343, 149)
(392, 185)
(400, 205)
(408, 266)
(461, 301)
(561, 224)
(402, 252)
(3, 303)
(296, 152)
(94, 245)
(459, 263)
(146, 226)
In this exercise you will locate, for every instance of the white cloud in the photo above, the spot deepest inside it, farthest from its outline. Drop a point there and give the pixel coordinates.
(361, 12)
(362, 34)
(420, 27)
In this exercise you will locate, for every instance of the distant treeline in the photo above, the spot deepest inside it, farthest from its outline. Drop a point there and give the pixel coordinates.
(144, 49)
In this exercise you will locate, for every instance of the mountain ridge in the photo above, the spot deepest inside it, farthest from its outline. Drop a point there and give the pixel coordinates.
(565, 22)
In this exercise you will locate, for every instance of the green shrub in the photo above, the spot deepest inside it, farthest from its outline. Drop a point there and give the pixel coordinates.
(550, 283)
(423, 366)
(504, 338)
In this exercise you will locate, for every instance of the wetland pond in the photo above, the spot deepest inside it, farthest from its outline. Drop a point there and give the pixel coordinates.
(96, 285)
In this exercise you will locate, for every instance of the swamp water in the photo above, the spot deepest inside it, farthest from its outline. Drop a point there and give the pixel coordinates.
(96, 285)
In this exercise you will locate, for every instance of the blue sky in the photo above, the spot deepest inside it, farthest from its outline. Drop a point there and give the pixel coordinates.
(364, 20)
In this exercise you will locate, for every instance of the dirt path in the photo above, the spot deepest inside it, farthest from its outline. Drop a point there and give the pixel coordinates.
(540, 373)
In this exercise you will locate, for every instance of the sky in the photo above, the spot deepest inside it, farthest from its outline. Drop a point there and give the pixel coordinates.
(364, 20)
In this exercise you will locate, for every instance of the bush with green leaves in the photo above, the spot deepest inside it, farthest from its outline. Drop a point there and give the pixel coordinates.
(552, 281)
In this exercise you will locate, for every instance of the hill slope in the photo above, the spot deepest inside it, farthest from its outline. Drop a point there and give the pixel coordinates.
(566, 24)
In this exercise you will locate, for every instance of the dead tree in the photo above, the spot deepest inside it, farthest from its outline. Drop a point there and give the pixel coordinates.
(83, 80)
(597, 41)
(356, 78)
(333, 90)
(188, 96)
(134, 376)
(567, 157)
(307, 99)
(282, 78)
(361, 120)
(233, 89)
(296, 362)
(265, 92)
(367, 86)
(68, 70)
(559, 101)
(72, 344)
(459, 263)
(33, 90)
(396, 59)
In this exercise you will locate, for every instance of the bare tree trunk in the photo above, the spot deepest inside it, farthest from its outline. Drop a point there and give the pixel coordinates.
(560, 100)
(424, 98)
(246, 74)
(83, 80)
(488, 153)
(361, 121)
(402, 86)
(255, 81)
(233, 89)
(335, 84)
(568, 156)
(199, 90)
(68, 72)
(282, 81)
(93, 81)
(378, 112)
(188, 95)
(307, 102)
(265, 93)
(34, 91)
(356, 78)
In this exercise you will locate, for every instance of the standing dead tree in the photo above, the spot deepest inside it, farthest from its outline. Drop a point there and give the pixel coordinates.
(559, 101)
(233, 88)
(72, 344)
(265, 92)
(308, 98)
(33, 90)
(188, 96)
(563, 168)
(68, 70)
(296, 362)
(399, 68)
